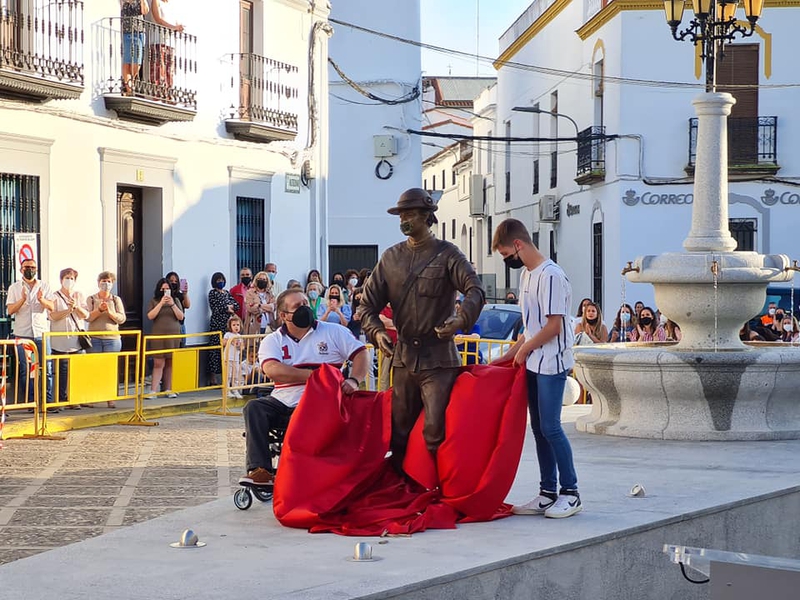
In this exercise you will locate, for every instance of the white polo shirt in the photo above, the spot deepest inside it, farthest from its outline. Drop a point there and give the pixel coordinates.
(546, 291)
(325, 343)
(30, 320)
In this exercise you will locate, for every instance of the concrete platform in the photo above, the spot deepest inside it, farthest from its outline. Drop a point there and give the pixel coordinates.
(739, 496)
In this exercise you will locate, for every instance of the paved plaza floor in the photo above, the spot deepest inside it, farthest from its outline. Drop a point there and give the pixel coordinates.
(97, 480)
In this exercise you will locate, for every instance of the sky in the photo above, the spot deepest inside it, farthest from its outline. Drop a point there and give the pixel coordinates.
(452, 24)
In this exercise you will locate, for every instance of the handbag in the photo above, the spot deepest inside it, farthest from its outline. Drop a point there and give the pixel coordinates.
(84, 340)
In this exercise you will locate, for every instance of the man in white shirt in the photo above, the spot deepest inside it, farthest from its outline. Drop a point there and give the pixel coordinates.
(272, 273)
(288, 356)
(27, 301)
(545, 296)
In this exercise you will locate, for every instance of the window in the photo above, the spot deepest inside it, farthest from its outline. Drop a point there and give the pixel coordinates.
(19, 207)
(434, 183)
(249, 233)
(454, 229)
(489, 234)
(536, 176)
(597, 263)
(508, 162)
(554, 135)
(424, 184)
(444, 231)
(553, 169)
(444, 180)
(454, 177)
(744, 232)
(470, 244)
(553, 251)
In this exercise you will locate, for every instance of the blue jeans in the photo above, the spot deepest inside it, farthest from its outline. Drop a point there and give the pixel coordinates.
(63, 374)
(545, 394)
(104, 343)
(23, 371)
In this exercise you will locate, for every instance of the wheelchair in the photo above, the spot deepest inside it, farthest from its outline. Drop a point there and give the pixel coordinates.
(243, 497)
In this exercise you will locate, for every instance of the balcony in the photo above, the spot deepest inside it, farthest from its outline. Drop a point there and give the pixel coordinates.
(591, 155)
(752, 146)
(41, 49)
(157, 83)
(264, 98)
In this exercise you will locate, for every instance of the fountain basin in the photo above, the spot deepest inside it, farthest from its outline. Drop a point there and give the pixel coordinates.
(659, 391)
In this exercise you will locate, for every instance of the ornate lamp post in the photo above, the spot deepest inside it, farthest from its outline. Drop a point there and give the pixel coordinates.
(714, 23)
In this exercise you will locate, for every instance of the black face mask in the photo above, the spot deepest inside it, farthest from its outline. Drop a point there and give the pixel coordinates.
(339, 281)
(246, 280)
(334, 298)
(304, 317)
(511, 300)
(592, 321)
(778, 316)
(29, 273)
(174, 286)
(261, 284)
(514, 261)
(645, 321)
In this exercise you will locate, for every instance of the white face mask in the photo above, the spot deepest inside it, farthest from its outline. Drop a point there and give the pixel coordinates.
(772, 311)
(68, 283)
(353, 281)
(787, 326)
(106, 286)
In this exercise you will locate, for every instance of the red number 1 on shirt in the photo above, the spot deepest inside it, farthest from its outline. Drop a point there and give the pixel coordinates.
(286, 355)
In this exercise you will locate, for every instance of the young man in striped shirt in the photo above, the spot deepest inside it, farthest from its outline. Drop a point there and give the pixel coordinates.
(545, 349)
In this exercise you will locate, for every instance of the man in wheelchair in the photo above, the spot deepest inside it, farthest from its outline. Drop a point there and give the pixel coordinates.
(288, 356)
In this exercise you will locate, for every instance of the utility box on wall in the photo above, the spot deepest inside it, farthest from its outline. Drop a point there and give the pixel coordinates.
(385, 145)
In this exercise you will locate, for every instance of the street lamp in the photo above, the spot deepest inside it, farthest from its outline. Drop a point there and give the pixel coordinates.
(713, 24)
(536, 109)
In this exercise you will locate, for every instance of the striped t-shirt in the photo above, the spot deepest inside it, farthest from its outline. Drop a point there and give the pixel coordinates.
(546, 291)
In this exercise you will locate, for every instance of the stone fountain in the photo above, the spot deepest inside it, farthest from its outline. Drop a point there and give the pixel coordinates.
(709, 386)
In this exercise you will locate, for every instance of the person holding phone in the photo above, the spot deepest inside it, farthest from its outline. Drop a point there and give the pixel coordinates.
(166, 313)
(106, 313)
(336, 311)
(180, 292)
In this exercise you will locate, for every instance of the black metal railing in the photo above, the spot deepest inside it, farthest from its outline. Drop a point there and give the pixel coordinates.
(43, 38)
(264, 90)
(145, 60)
(752, 141)
(592, 151)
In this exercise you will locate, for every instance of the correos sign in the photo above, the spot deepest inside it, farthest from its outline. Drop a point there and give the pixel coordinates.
(649, 198)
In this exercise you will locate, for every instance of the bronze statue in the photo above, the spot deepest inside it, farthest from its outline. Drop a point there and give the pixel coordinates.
(420, 278)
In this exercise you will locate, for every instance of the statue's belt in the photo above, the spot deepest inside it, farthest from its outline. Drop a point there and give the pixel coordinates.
(423, 341)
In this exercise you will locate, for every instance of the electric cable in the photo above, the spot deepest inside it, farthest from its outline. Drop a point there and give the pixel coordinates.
(687, 578)
(488, 138)
(388, 174)
(410, 97)
(552, 71)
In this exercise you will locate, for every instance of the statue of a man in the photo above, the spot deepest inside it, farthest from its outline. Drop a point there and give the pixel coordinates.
(420, 278)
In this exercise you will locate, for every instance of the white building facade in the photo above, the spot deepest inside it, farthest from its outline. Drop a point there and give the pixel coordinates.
(373, 158)
(207, 159)
(598, 203)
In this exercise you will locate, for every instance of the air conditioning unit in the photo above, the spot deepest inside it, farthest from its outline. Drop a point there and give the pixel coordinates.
(548, 209)
(476, 199)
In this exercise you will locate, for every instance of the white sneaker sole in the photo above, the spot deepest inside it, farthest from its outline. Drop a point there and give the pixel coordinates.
(563, 515)
(519, 510)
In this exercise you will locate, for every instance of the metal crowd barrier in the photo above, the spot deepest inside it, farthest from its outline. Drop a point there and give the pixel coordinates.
(241, 373)
(91, 377)
(186, 372)
(19, 382)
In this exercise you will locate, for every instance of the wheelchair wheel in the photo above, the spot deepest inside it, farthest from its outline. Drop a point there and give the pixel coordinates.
(262, 495)
(242, 499)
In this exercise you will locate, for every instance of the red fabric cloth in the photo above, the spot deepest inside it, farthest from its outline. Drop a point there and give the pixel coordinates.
(334, 476)
(389, 314)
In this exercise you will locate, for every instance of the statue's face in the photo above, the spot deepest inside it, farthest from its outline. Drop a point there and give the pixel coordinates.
(413, 222)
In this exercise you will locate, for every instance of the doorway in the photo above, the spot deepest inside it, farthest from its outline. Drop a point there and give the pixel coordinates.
(130, 255)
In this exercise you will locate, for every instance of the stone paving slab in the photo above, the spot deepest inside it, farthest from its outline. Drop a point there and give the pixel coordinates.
(95, 481)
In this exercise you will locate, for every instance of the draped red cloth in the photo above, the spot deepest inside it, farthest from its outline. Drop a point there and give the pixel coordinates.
(334, 476)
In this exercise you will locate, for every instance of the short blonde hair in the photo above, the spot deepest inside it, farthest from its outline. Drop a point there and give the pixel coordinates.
(67, 271)
(331, 287)
(107, 275)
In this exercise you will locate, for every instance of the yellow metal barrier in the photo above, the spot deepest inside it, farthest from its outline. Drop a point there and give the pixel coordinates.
(21, 382)
(471, 349)
(241, 372)
(92, 377)
(185, 368)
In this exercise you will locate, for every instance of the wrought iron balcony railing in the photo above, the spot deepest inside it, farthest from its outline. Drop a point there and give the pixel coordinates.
(147, 72)
(752, 143)
(591, 154)
(41, 48)
(264, 98)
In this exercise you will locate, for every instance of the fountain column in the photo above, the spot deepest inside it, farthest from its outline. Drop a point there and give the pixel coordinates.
(709, 231)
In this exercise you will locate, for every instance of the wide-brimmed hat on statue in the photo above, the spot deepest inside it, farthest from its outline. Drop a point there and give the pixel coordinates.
(413, 198)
